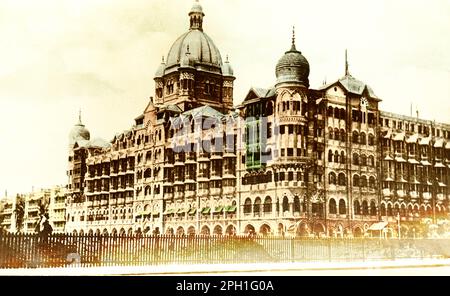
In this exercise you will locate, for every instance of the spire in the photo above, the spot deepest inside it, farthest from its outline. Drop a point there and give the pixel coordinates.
(293, 39)
(346, 64)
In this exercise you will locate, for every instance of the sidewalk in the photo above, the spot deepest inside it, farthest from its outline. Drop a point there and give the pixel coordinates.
(228, 268)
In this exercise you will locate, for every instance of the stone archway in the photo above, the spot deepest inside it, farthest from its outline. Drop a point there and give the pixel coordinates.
(218, 230)
(180, 231)
(191, 230)
(249, 229)
(231, 230)
(357, 232)
(302, 230)
(205, 230)
(265, 229)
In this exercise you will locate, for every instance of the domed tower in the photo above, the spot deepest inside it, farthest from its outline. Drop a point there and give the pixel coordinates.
(292, 72)
(78, 133)
(194, 74)
(78, 141)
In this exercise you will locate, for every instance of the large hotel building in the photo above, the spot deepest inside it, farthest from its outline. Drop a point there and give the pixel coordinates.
(287, 160)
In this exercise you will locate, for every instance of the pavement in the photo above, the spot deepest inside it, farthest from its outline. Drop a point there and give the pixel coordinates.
(396, 267)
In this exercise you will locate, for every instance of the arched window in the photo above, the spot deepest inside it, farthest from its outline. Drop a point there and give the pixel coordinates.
(285, 204)
(296, 204)
(248, 206)
(363, 160)
(389, 210)
(330, 156)
(363, 181)
(268, 205)
(355, 181)
(371, 140)
(336, 112)
(372, 182)
(342, 157)
(336, 156)
(355, 137)
(336, 134)
(330, 133)
(371, 161)
(257, 206)
(362, 139)
(332, 207)
(373, 208)
(330, 111)
(356, 207)
(342, 180)
(332, 178)
(355, 159)
(342, 209)
(365, 208)
(343, 135)
(383, 210)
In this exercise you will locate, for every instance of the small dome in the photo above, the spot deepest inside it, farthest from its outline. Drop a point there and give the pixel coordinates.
(79, 133)
(227, 70)
(196, 7)
(293, 67)
(160, 71)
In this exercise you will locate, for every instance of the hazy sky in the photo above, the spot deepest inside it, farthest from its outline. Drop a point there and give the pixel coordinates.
(57, 56)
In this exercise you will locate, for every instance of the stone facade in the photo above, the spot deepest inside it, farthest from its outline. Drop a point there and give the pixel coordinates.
(287, 160)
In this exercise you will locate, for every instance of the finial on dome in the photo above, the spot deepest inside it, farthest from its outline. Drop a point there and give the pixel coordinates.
(293, 38)
(227, 61)
(79, 117)
(347, 73)
(162, 60)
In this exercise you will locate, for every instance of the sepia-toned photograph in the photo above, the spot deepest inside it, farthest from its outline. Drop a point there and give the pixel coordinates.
(224, 138)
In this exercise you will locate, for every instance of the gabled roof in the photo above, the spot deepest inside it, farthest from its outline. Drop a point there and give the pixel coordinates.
(256, 92)
(169, 107)
(204, 111)
(352, 85)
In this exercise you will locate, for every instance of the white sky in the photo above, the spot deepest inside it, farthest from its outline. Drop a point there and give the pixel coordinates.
(57, 56)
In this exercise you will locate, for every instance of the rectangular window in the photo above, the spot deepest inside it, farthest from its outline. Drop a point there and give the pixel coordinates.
(290, 176)
(290, 152)
(290, 129)
(299, 152)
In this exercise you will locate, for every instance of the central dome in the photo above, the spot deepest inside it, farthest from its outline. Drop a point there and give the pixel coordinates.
(202, 50)
(203, 53)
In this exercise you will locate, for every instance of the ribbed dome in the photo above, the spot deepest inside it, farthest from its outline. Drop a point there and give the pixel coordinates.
(196, 7)
(202, 50)
(227, 70)
(78, 133)
(293, 67)
(160, 71)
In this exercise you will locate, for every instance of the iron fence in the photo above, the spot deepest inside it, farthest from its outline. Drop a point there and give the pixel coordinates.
(69, 250)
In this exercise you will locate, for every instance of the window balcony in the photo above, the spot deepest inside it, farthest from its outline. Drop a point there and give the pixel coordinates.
(215, 191)
(426, 196)
(120, 201)
(189, 194)
(441, 197)
(229, 190)
(203, 192)
(179, 195)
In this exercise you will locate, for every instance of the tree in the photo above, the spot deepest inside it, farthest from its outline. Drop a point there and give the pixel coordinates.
(2, 217)
(19, 212)
(43, 205)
